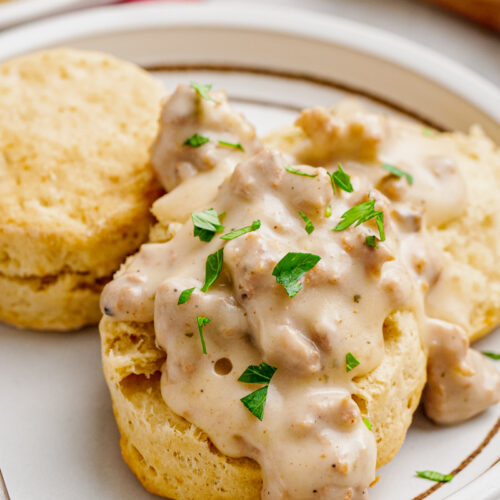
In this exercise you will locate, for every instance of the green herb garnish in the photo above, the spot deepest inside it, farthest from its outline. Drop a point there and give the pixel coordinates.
(368, 424)
(435, 476)
(428, 132)
(232, 145)
(213, 267)
(202, 321)
(371, 241)
(309, 225)
(328, 211)
(195, 141)
(243, 230)
(342, 179)
(379, 218)
(184, 296)
(206, 224)
(257, 374)
(292, 170)
(291, 268)
(256, 401)
(202, 90)
(397, 172)
(492, 355)
(361, 213)
(350, 361)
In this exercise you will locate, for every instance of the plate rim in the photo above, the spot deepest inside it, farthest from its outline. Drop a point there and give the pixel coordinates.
(451, 75)
(433, 66)
(15, 12)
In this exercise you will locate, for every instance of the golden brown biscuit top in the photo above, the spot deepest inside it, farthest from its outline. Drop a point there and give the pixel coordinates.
(75, 132)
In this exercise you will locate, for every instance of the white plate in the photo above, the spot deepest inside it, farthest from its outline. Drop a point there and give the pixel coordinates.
(58, 439)
(15, 12)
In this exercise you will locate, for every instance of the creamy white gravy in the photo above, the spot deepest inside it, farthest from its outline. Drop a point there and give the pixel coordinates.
(312, 442)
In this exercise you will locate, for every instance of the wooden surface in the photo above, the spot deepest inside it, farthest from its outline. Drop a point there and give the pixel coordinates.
(486, 12)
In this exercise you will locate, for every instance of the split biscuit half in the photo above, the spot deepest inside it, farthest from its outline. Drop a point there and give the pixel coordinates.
(76, 183)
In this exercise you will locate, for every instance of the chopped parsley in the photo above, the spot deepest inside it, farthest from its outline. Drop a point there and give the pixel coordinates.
(195, 141)
(292, 170)
(291, 268)
(371, 241)
(368, 424)
(350, 361)
(185, 295)
(213, 267)
(257, 374)
(243, 230)
(309, 225)
(380, 224)
(342, 180)
(206, 224)
(428, 132)
(202, 321)
(492, 355)
(435, 476)
(397, 172)
(328, 211)
(256, 401)
(361, 213)
(232, 145)
(202, 91)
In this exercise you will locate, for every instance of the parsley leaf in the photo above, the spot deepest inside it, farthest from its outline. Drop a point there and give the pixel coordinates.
(435, 476)
(342, 179)
(213, 267)
(309, 224)
(292, 170)
(258, 374)
(195, 141)
(397, 172)
(243, 230)
(492, 355)
(328, 211)
(232, 145)
(185, 295)
(291, 268)
(428, 132)
(256, 401)
(361, 213)
(380, 224)
(202, 321)
(206, 224)
(368, 424)
(350, 362)
(202, 91)
(371, 241)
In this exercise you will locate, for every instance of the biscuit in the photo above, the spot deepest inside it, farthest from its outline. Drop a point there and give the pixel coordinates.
(175, 459)
(76, 183)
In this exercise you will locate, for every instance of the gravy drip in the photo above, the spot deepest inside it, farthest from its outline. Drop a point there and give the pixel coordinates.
(312, 442)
